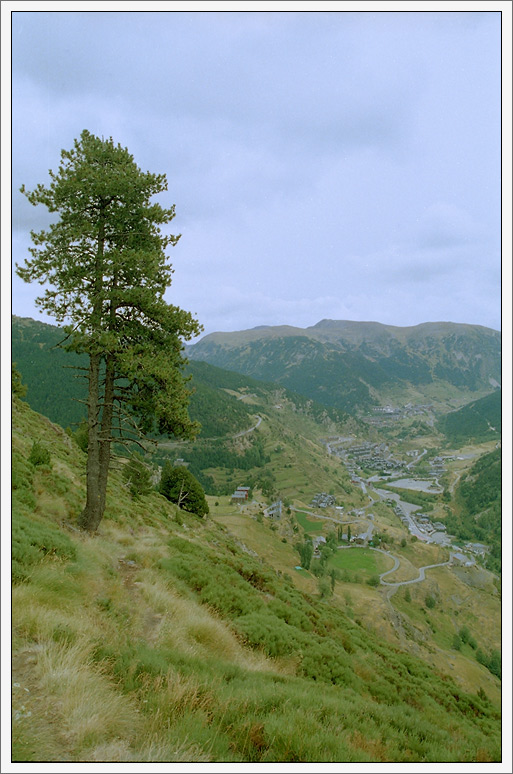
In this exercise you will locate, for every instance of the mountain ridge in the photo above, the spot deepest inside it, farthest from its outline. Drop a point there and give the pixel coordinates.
(326, 326)
(353, 365)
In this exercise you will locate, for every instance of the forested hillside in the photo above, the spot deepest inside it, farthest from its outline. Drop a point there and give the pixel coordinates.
(476, 422)
(477, 512)
(352, 365)
(54, 388)
(58, 391)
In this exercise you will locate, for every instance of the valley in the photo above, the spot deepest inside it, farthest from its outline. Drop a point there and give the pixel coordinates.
(410, 542)
(343, 553)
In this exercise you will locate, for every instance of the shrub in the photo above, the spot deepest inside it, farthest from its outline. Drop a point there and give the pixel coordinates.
(81, 436)
(324, 587)
(271, 634)
(32, 541)
(39, 455)
(430, 602)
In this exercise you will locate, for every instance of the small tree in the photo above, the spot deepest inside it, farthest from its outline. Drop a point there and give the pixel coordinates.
(456, 642)
(180, 487)
(305, 551)
(138, 476)
(333, 577)
(106, 269)
(325, 589)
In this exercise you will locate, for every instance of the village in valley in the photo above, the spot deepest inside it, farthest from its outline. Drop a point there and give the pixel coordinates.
(377, 471)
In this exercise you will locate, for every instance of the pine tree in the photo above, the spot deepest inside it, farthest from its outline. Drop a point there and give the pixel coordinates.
(179, 486)
(106, 272)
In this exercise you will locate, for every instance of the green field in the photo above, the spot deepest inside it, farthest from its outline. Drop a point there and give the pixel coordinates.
(360, 560)
(308, 526)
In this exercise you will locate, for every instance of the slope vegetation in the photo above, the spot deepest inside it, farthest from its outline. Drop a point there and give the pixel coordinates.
(479, 421)
(163, 638)
(221, 400)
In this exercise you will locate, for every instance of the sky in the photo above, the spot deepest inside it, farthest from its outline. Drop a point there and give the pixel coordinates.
(323, 164)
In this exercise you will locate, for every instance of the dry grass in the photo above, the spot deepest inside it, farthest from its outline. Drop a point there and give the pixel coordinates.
(191, 628)
(80, 700)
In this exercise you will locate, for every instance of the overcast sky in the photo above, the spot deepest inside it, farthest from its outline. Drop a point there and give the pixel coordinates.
(323, 164)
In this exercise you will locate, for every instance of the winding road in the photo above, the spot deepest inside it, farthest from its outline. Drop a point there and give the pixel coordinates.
(176, 444)
(397, 562)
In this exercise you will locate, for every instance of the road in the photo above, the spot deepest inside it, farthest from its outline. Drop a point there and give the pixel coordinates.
(176, 444)
(417, 459)
(245, 432)
(397, 562)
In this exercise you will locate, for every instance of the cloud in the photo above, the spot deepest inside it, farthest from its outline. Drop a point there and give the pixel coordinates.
(322, 164)
(446, 225)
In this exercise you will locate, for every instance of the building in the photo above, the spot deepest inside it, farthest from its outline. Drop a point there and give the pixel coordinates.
(477, 548)
(461, 559)
(241, 494)
(317, 542)
(274, 510)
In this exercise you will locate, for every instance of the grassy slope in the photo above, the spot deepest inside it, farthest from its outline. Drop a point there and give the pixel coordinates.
(162, 639)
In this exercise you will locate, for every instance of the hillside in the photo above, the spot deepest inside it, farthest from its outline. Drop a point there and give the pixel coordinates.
(352, 365)
(218, 402)
(54, 389)
(477, 513)
(478, 421)
(192, 647)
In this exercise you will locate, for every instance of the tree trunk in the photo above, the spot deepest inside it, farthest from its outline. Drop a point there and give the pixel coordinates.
(92, 514)
(106, 431)
(95, 504)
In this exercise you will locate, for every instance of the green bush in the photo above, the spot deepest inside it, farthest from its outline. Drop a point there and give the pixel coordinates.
(268, 633)
(81, 436)
(39, 455)
(324, 588)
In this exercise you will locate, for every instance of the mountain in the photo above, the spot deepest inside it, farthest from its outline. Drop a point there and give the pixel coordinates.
(168, 638)
(354, 365)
